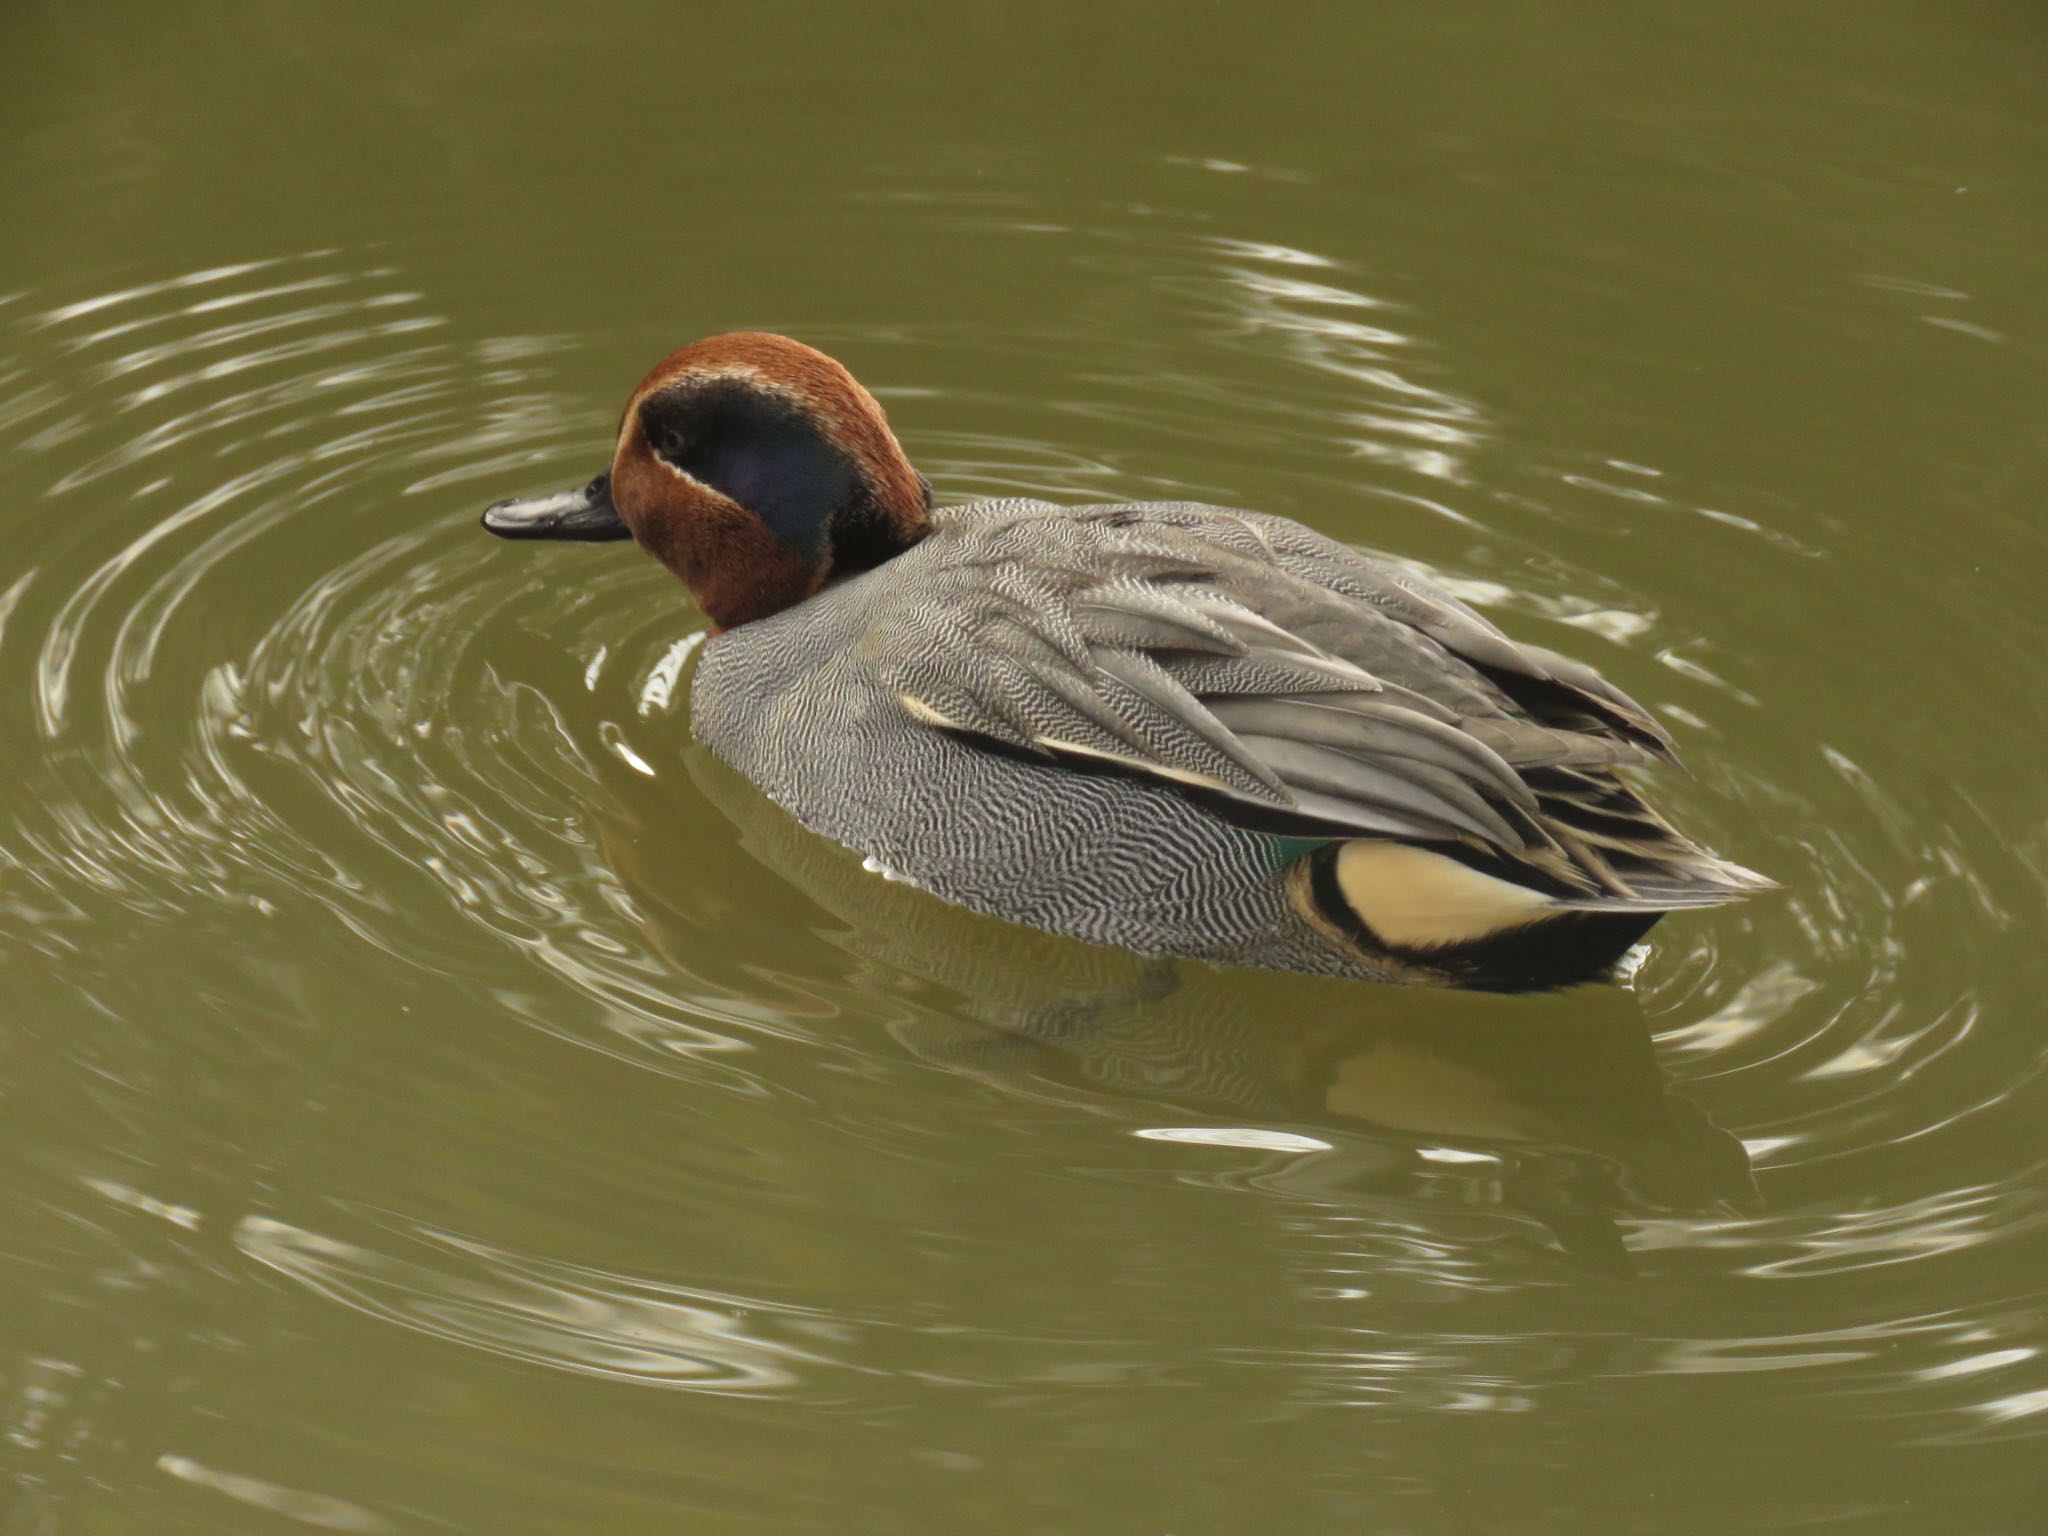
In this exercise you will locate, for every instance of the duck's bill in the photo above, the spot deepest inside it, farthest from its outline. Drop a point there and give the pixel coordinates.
(587, 513)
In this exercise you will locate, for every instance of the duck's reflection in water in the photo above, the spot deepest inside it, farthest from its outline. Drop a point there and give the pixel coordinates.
(1551, 1107)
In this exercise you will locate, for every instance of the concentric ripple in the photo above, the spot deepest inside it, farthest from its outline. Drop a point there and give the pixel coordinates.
(285, 730)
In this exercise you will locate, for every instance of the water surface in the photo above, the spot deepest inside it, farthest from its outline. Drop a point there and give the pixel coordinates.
(441, 1098)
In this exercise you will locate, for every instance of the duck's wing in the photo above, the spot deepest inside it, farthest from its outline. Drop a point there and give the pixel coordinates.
(1288, 683)
(1543, 687)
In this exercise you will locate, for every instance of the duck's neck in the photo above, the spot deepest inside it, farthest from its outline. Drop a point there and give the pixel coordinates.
(881, 524)
(740, 570)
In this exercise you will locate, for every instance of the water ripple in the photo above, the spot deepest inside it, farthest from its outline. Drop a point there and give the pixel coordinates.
(260, 662)
(566, 1316)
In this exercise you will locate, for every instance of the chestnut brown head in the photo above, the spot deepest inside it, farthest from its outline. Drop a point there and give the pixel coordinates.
(755, 468)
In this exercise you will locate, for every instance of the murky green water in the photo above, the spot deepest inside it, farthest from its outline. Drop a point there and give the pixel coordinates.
(439, 1098)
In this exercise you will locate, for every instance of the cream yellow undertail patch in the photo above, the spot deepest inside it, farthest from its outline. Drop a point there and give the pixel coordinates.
(1416, 899)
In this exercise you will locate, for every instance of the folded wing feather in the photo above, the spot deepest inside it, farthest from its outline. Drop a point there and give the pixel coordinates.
(1138, 651)
(1284, 676)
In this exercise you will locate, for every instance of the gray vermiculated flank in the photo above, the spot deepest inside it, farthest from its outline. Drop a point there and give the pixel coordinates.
(1281, 672)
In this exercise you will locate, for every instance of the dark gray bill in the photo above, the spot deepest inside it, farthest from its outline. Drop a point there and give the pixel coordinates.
(587, 513)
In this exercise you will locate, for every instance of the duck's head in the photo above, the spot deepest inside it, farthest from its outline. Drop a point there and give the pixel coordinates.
(755, 468)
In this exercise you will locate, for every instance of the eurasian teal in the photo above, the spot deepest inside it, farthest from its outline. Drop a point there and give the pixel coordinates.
(1176, 728)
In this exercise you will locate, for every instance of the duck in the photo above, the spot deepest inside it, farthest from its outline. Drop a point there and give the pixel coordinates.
(1184, 730)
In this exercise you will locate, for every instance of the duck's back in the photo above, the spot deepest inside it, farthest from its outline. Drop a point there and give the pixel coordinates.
(1192, 731)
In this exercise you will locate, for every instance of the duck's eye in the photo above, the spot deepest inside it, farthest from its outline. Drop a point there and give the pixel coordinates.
(666, 439)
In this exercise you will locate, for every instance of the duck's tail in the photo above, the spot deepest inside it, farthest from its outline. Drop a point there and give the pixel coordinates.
(1475, 918)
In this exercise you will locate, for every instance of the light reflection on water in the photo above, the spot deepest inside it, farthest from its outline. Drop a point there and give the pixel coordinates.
(563, 1316)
